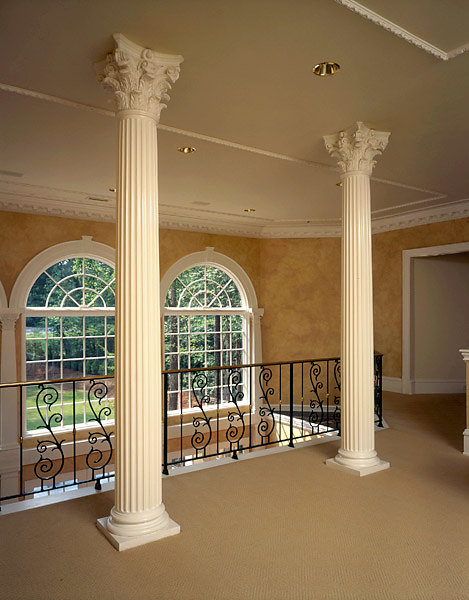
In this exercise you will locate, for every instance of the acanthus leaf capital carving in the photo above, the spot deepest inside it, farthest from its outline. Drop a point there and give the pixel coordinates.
(139, 78)
(356, 147)
(8, 319)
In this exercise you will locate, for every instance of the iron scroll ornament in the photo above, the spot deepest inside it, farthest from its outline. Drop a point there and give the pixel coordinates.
(235, 433)
(337, 380)
(48, 467)
(96, 458)
(316, 417)
(266, 413)
(201, 439)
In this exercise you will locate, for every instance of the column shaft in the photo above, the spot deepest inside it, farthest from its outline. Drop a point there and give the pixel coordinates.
(357, 322)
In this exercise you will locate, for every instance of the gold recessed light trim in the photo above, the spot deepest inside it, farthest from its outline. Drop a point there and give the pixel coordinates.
(249, 210)
(324, 69)
(186, 149)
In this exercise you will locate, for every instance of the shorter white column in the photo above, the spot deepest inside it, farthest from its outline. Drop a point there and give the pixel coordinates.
(9, 418)
(465, 356)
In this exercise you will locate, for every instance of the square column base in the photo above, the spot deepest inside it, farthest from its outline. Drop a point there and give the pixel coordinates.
(360, 471)
(121, 542)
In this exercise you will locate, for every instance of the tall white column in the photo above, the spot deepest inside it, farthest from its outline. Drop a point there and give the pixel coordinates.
(140, 80)
(355, 150)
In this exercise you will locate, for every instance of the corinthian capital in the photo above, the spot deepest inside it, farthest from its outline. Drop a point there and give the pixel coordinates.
(8, 318)
(356, 147)
(139, 77)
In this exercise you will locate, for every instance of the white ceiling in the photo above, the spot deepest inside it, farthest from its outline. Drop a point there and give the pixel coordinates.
(246, 80)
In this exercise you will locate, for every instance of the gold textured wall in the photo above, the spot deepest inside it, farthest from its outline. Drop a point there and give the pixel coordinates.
(297, 281)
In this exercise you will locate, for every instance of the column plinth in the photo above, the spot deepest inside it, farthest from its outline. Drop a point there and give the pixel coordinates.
(140, 80)
(355, 149)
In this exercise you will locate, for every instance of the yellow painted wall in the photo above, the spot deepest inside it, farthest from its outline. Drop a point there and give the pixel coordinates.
(297, 281)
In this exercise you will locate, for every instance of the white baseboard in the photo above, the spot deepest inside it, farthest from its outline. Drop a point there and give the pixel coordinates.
(438, 386)
(465, 438)
(392, 384)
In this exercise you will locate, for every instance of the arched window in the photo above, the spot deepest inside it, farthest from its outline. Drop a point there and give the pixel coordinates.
(68, 323)
(208, 307)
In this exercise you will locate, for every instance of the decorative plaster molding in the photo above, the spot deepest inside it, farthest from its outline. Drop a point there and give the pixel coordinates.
(401, 32)
(356, 147)
(465, 354)
(221, 223)
(8, 318)
(139, 77)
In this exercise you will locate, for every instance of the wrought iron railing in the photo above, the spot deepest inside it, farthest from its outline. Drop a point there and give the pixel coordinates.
(222, 411)
(66, 434)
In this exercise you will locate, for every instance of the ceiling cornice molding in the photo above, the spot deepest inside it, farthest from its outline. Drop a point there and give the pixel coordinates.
(401, 32)
(200, 136)
(73, 207)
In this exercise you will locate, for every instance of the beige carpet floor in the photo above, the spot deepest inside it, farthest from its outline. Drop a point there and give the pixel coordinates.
(277, 527)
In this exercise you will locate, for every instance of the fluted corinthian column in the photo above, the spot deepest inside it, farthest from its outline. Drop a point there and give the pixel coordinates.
(140, 80)
(355, 150)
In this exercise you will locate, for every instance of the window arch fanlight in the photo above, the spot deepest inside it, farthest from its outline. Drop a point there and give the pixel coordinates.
(66, 297)
(209, 309)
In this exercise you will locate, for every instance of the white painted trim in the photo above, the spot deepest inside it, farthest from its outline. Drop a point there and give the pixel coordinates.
(392, 384)
(464, 354)
(84, 247)
(438, 386)
(407, 286)
(465, 440)
(401, 32)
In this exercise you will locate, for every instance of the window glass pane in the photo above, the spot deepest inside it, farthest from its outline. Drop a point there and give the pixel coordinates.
(197, 324)
(35, 327)
(110, 366)
(56, 297)
(72, 368)
(94, 326)
(197, 343)
(183, 323)
(35, 371)
(73, 348)
(53, 349)
(35, 349)
(197, 360)
(53, 326)
(237, 323)
(40, 290)
(54, 370)
(226, 323)
(110, 325)
(72, 326)
(95, 367)
(95, 346)
(110, 346)
(64, 268)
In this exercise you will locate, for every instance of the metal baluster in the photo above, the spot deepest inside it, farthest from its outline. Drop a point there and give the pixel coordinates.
(251, 401)
(180, 408)
(74, 433)
(291, 445)
(218, 408)
(280, 402)
(165, 424)
(21, 442)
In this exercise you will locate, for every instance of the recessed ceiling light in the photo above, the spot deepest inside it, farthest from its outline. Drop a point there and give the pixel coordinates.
(249, 210)
(186, 149)
(113, 190)
(339, 184)
(324, 69)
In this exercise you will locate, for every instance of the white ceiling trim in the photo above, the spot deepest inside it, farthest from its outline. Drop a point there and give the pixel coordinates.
(309, 163)
(401, 32)
(77, 207)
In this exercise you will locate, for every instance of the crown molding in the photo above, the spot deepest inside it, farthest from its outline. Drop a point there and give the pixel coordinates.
(25, 198)
(401, 32)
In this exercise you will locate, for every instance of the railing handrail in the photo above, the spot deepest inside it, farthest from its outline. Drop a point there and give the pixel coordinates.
(262, 364)
(43, 381)
(192, 370)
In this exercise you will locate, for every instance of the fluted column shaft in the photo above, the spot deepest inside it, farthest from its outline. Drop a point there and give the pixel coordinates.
(140, 79)
(355, 149)
(357, 398)
(138, 351)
